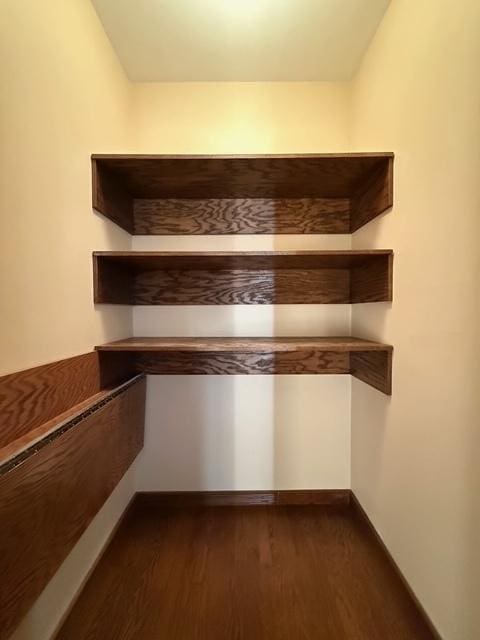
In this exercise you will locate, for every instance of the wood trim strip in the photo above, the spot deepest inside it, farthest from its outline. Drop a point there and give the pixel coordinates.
(362, 516)
(324, 497)
(49, 498)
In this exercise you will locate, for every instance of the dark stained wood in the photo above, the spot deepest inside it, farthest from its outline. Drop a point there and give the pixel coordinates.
(241, 260)
(49, 498)
(182, 499)
(34, 396)
(241, 216)
(368, 361)
(110, 197)
(225, 363)
(310, 193)
(232, 287)
(374, 368)
(244, 345)
(244, 573)
(250, 277)
(372, 280)
(256, 176)
(373, 195)
(112, 282)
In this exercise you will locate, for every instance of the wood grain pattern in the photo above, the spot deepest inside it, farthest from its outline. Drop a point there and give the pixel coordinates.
(372, 280)
(34, 396)
(48, 500)
(310, 193)
(374, 368)
(256, 176)
(182, 499)
(248, 573)
(241, 216)
(237, 344)
(180, 363)
(275, 277)
(282, 286)
(369, 361)
(373, 195)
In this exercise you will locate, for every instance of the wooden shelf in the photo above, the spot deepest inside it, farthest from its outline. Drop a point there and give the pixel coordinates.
(366, 360)
(249, 277)
(254, 194)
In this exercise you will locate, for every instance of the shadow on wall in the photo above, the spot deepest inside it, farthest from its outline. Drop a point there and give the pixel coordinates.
(189, 439)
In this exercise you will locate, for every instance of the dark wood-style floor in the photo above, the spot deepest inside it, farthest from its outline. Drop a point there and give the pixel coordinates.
(244, 573)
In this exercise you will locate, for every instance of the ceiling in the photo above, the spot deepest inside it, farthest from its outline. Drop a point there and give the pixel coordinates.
(240, 40)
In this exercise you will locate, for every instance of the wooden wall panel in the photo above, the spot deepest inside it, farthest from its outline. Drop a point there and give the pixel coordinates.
(241, 216)
(295, 362)
(283, 286)
(31, 397)
(49, 499)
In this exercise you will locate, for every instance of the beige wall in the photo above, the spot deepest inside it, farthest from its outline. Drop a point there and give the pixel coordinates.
(64, 96)
(243, 432)
(415, 457)
(239, 117)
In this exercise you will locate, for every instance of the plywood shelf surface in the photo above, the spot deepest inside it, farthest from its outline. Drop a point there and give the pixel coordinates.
(243, 277)
(369, 361)
(178, 195)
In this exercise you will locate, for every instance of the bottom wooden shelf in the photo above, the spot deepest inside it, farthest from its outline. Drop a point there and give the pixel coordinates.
(369, 361)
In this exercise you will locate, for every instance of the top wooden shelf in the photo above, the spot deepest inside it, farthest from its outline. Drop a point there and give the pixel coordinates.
(242, 194)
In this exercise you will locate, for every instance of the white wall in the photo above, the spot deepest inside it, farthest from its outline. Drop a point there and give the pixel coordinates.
(243, 432)
(415, 456)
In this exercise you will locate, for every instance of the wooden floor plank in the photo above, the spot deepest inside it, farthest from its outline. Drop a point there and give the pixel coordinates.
(244, 573)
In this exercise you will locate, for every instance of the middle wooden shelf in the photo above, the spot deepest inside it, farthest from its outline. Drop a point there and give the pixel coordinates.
(369, 361)
(242, 277)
